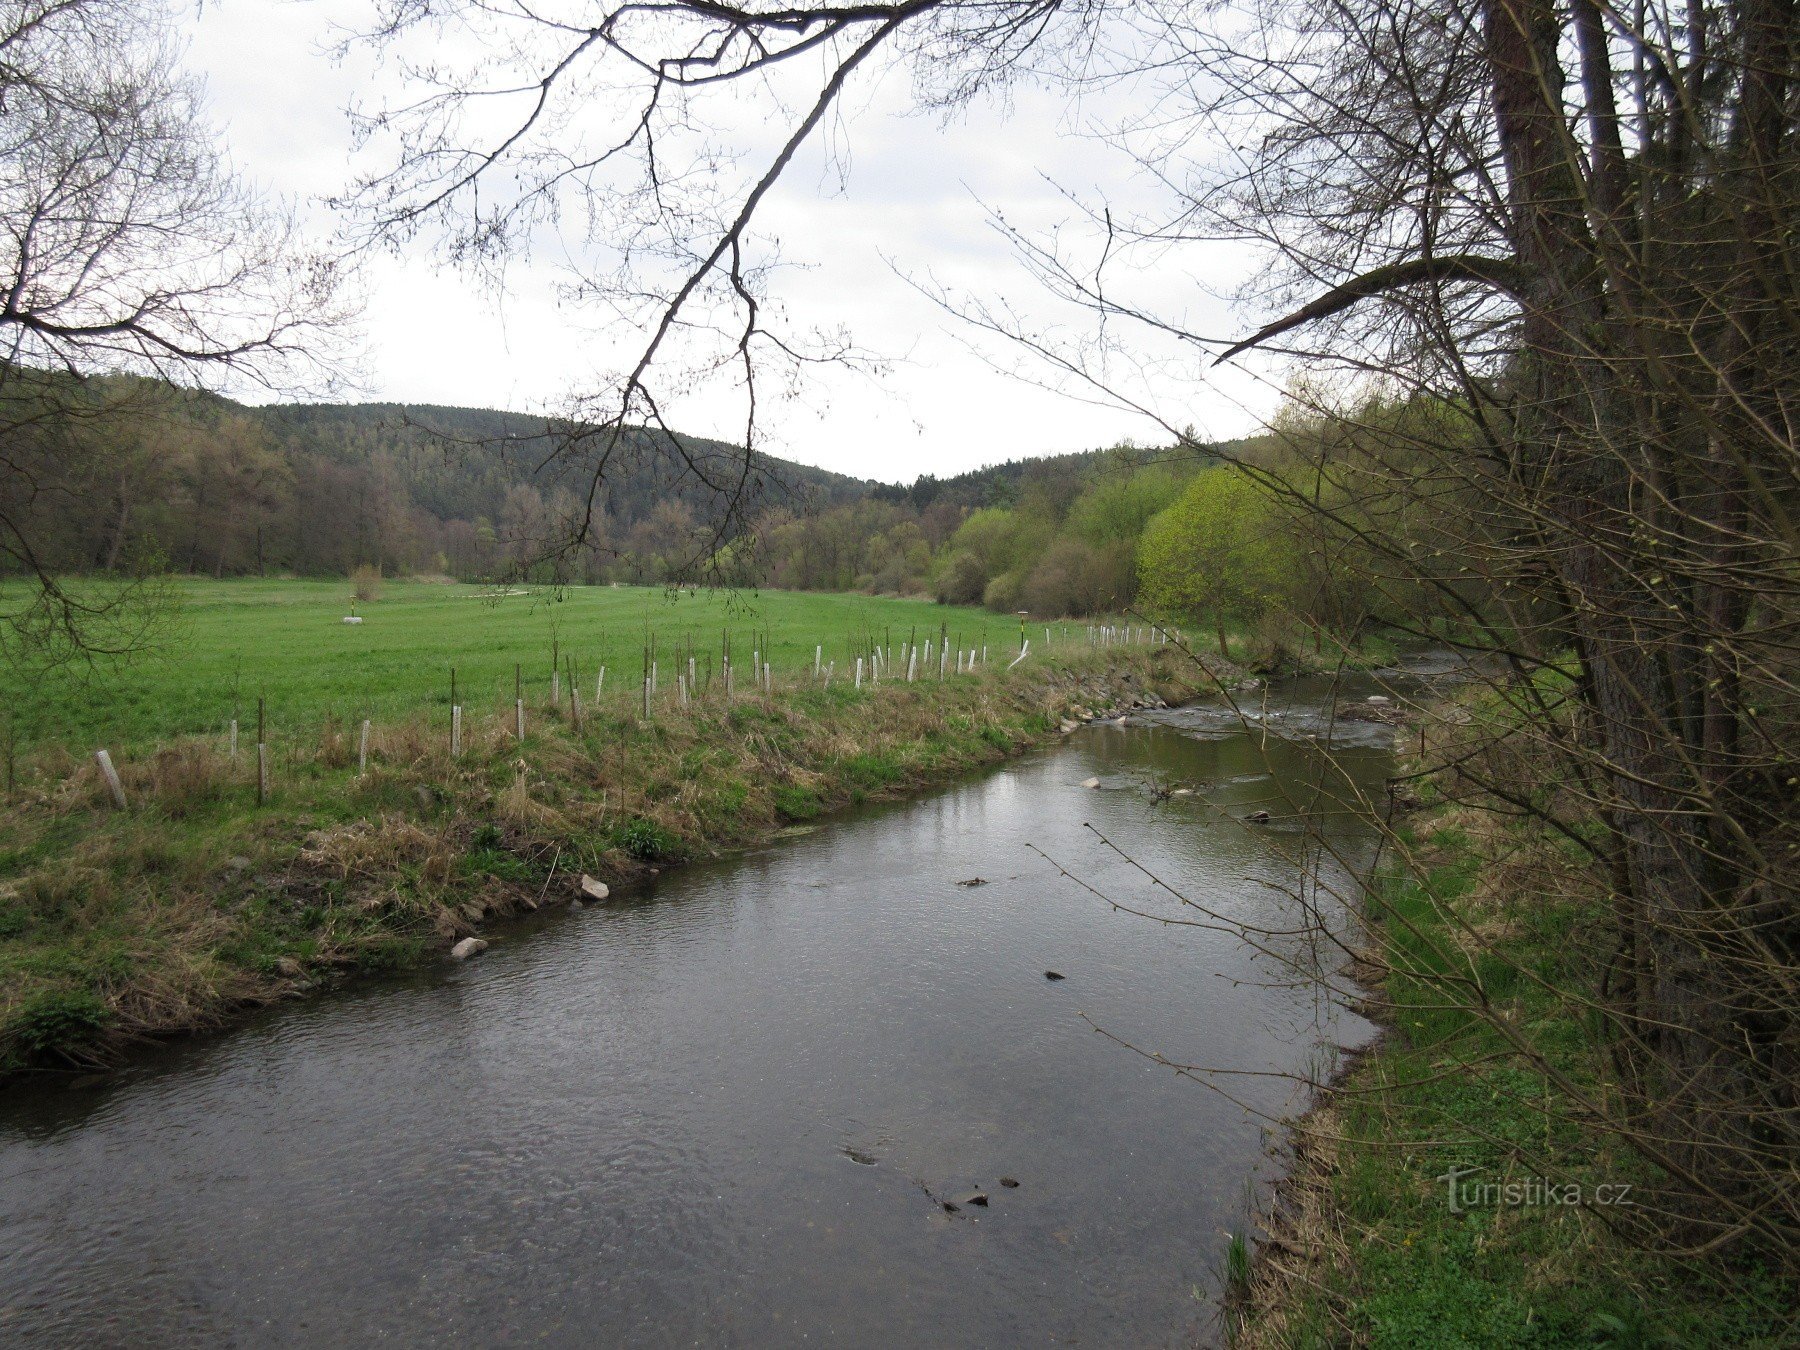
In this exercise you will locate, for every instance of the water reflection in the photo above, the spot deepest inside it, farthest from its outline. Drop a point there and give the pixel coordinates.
(729, 1110)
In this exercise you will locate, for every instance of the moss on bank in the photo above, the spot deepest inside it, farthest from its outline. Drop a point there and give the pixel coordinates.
(196, 901)
(1366, 1249)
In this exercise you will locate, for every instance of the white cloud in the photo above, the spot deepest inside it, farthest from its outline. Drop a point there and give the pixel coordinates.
(910, 202)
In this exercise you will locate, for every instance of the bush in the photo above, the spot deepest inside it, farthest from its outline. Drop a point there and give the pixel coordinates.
(961, 580)
(365, 582)
(1002, 593)
(646, 841)
(59, 1020)
(1076, 578)
(798, 803)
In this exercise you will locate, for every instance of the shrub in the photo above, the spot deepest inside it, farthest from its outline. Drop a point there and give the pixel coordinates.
(798, 803)
(365, 582)
(646, 841)
(57, 1021)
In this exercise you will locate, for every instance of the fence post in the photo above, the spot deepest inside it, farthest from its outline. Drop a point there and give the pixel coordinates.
(111, 775)
(262, 752)
(362, 751)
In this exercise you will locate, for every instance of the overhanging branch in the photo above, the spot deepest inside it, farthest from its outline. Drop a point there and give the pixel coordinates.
(1501, 273)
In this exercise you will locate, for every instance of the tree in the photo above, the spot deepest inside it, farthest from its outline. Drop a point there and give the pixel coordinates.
(1572, 224)
(1217, 552)
(127, 246)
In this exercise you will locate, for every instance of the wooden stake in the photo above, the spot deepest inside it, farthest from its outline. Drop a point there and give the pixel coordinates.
(362, 751)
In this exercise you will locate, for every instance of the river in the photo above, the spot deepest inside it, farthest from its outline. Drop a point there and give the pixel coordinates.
(730, 1109)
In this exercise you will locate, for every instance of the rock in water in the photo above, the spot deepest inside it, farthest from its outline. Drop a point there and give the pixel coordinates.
(469, 946)
(593, 890)
(1377, 698)
(1258, 817)
(1090, 783)
(1054, 975)
(1011, 1183)
(974, 1198)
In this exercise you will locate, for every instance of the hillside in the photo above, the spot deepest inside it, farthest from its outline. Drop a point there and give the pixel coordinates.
(127, 474)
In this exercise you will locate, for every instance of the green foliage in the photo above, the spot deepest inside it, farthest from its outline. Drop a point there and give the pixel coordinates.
(647, 841)
(1118, 507)
(1216, 552)
(1237, 1264)
(57, 1021)
(798, 803)
(492, 861)
(1442, 1091)
(14, 918)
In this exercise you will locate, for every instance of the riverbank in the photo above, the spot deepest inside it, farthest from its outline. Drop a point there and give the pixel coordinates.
(196, 902)
(1368, 1244)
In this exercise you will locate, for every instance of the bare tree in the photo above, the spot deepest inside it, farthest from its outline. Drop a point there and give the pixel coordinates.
(129, 248)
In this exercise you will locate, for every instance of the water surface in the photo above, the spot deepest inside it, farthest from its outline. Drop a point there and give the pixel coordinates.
(729, 1110)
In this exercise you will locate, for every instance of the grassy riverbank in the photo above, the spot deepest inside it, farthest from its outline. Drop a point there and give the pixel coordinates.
(196, 900)
(1366, 1247)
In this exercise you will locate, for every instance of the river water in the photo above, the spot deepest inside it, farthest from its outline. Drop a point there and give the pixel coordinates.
(729, 1110)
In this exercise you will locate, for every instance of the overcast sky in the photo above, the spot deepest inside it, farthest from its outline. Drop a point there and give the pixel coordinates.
(912, 203)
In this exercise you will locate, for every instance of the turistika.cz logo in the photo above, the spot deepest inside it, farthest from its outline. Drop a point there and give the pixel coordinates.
(1525, 1192)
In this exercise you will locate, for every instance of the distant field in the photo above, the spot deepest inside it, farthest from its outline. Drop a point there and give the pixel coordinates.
(235, 640)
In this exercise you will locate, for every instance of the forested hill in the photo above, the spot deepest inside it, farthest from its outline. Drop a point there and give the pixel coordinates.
(460, 463)
(129, 474)
(132, 475)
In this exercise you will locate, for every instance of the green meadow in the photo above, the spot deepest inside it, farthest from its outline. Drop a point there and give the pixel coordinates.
(227, 643)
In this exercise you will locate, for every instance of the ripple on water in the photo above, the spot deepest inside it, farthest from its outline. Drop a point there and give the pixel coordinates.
(636, 1123)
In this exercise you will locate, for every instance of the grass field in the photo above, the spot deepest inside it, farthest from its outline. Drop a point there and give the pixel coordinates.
(230, 642)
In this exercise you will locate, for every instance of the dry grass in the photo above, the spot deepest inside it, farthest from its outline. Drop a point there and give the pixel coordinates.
(1303, 1237)
(115, 925)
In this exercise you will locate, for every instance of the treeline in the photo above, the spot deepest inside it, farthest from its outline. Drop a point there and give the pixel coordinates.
(1318, 531)
(128, 475)
(1266, 536)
